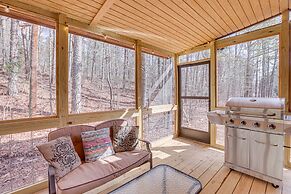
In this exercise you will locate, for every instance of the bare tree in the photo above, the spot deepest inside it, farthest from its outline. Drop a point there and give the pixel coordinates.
(76, 74)
(13, 65)
(33, 70)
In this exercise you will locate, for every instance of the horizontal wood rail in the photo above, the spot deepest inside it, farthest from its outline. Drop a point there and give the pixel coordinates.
(32, 188)
(253, 35)
(33, 124)
(202, 61)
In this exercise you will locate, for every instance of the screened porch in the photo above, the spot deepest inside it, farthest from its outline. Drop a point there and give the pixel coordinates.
(161, 65)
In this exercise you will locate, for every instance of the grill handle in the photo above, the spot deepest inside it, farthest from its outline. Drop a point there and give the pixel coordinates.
(260, 142)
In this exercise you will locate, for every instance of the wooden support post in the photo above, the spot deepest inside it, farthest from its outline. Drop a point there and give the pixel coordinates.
(212, 89)
(284, 71)
(177, 120)
(139, 86)
(62, 68)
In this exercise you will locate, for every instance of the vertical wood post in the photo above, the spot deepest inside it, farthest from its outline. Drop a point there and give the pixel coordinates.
(284, 71)
(62, 69)
(139, 87)
(212, 89)
(177, 103)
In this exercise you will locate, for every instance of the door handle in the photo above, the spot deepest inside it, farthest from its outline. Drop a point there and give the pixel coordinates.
(260, 142)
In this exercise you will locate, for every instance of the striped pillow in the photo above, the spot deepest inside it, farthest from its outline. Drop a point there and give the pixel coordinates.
(97, 144)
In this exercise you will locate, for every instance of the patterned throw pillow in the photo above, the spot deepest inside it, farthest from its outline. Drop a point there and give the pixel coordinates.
(97, 144)
(60, 153)
(125, 138)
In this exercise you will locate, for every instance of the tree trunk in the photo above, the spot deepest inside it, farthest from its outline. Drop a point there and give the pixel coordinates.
(51, 68)
(76, 74)
(125, 62)
(33, 70)
(13, 66)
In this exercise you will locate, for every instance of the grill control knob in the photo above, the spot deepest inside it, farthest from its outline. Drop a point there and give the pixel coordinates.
(256, 124)
(231, 121)
(243, 122)
(272, 126)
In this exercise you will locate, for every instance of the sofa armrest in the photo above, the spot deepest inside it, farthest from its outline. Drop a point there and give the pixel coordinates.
(51, 180)
(148, 146)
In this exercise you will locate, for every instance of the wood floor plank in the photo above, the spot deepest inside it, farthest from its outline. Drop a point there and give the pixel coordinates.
(230, 183)
(208, 175)
(258, 187)
(216, 181)
(244, 184)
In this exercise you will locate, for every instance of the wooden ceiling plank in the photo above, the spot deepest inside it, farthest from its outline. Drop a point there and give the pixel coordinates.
(258, 9)
(146, 27)
(71, 7)
(275, 7)
(123, 29)
(102, 11)
(195, 15)
(248, 10)
(136, 31)
(212, 13)
(141, 17)
(60, 9)
(193, 21)
(154, 12)
(216, 6)
(92, 6)
(131, 28)
(266, 7)
(228, 9)
(163, 11)
(205, 15)
(236, 6)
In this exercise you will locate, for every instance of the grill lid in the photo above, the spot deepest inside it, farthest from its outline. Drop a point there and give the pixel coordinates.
(262, 103)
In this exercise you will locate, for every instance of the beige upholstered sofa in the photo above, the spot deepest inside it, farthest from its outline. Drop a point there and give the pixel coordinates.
(91, 175)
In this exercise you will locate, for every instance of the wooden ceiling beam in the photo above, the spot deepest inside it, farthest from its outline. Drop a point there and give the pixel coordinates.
(102, 11)
(195, 49)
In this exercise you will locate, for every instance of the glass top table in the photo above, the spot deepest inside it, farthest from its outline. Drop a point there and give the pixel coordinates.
(162, 179)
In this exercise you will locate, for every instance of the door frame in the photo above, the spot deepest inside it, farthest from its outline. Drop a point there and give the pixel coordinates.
(194, 134)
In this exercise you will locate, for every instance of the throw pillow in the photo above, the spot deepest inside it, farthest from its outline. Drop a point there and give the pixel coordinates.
(124, 138)
(60, 153)
(97, 144)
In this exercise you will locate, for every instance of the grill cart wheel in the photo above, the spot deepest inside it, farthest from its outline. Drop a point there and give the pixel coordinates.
(275, 186)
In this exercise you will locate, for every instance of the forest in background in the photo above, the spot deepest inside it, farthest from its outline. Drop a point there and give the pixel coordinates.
(249, 69)
(101, 77)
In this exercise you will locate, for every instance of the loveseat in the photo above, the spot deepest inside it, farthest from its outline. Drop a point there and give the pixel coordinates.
(91, 175)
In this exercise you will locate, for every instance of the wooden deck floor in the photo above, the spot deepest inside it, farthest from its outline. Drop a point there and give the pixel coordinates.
(204, 163)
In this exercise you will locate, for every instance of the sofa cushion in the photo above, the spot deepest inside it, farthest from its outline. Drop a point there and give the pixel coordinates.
(91, 175)
(75, 133)
(125, 138)
(97, 144)
(60, 153)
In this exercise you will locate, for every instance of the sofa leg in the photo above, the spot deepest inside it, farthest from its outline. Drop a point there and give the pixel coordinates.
(151, 163)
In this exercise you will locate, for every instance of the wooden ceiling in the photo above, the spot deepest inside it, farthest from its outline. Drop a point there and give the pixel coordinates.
(173, 25)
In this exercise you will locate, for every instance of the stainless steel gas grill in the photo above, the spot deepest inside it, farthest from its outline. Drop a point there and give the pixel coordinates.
(254, 136)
